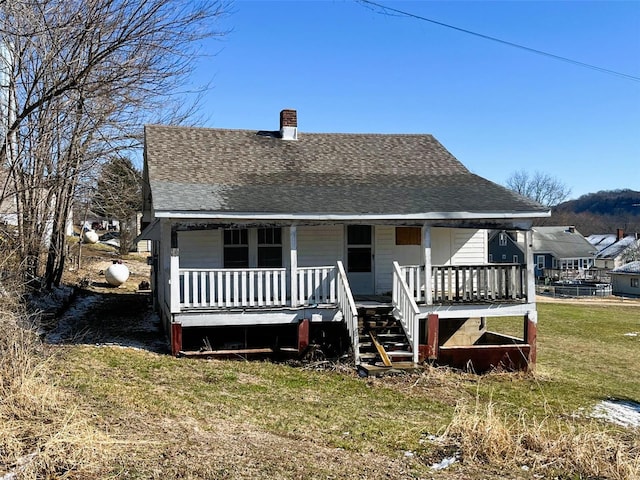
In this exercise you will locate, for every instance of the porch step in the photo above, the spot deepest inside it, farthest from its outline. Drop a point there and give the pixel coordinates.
(378, 325)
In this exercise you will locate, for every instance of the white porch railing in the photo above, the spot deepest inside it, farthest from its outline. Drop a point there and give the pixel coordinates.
(405, 308)
(413, 275)
(349, 311)
(477, 283)
(469, 283)
(255, 287)
(316, 285)
(238, 287)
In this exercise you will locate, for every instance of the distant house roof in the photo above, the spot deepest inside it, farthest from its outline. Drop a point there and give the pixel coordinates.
(631, 268)
(242, 171)
(617, 248)
(562, 242)
(602, 241)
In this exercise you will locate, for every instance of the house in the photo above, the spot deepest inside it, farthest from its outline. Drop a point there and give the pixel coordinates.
(614, 250)
(561, 253)
(506, 247)
(265, 241)
(625, 280)
(8, 208)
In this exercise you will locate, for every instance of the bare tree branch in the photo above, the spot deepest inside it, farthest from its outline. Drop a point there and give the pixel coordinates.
(79, 79)
(540, 187)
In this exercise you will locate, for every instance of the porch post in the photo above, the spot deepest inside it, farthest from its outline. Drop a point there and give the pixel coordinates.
(303, 335)
(174, 281)
(531, 335)
(428, 278)
(531, 274)
(293, 246)
(176, 338)
(433, 327)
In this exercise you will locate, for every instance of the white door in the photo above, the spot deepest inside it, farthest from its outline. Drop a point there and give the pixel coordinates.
(360, 259)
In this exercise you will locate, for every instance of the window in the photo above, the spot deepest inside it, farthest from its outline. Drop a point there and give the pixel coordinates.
(359, 259)
(504, 257)
(491, 258)
(540, 261)
(236, 248)
(269, 248)
(359, 240)
(516, 259)
(408, 235)
(635, 283)
(359, 235)
(502, 240)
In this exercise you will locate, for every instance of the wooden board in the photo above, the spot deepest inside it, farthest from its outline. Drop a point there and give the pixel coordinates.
(383, 354)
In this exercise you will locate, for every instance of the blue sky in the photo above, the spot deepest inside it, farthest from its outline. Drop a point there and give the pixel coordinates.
(347, 68)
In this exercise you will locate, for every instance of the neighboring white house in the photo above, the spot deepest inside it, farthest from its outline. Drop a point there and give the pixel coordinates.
(625, 280)
(257, 229)
(613, 248)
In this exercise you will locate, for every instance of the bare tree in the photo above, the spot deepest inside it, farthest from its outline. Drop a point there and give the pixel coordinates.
(78, 80)
(540, 187)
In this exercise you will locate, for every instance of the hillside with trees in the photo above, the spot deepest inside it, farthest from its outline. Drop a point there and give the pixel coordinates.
(601, 212)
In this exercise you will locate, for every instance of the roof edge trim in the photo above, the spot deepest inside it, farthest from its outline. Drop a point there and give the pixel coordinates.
(332, 216)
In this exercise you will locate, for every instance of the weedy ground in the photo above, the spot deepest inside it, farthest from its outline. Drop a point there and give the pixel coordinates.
(108, 403)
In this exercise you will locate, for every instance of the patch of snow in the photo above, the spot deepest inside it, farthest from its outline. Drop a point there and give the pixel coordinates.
(114, 242)
(631, 334)
(408, 454)
(21, 463)
(445, 463)
(72, 327)
(621, 412)
(67, 327)
(52, 300)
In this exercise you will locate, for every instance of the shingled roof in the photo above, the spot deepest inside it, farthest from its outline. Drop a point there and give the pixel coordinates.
(243, 171)
(562, 242)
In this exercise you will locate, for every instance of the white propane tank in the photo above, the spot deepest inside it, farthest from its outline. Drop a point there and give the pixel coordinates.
(90, 236)
(116, 274)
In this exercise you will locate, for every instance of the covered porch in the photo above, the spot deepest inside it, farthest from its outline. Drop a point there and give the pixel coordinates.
(294, 293)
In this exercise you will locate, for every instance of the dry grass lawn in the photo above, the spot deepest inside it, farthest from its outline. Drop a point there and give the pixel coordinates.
(96, 407)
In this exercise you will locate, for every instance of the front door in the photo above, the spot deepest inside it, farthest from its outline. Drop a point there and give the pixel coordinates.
(360, 259)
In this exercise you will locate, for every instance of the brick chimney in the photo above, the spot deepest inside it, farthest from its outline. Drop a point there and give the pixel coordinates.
(289, 124)
(619, 234)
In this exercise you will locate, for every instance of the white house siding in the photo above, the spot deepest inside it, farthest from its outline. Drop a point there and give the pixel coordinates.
(164, 266)
(320, 245)
(458, 246)
(386, 252)
(200, 249)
